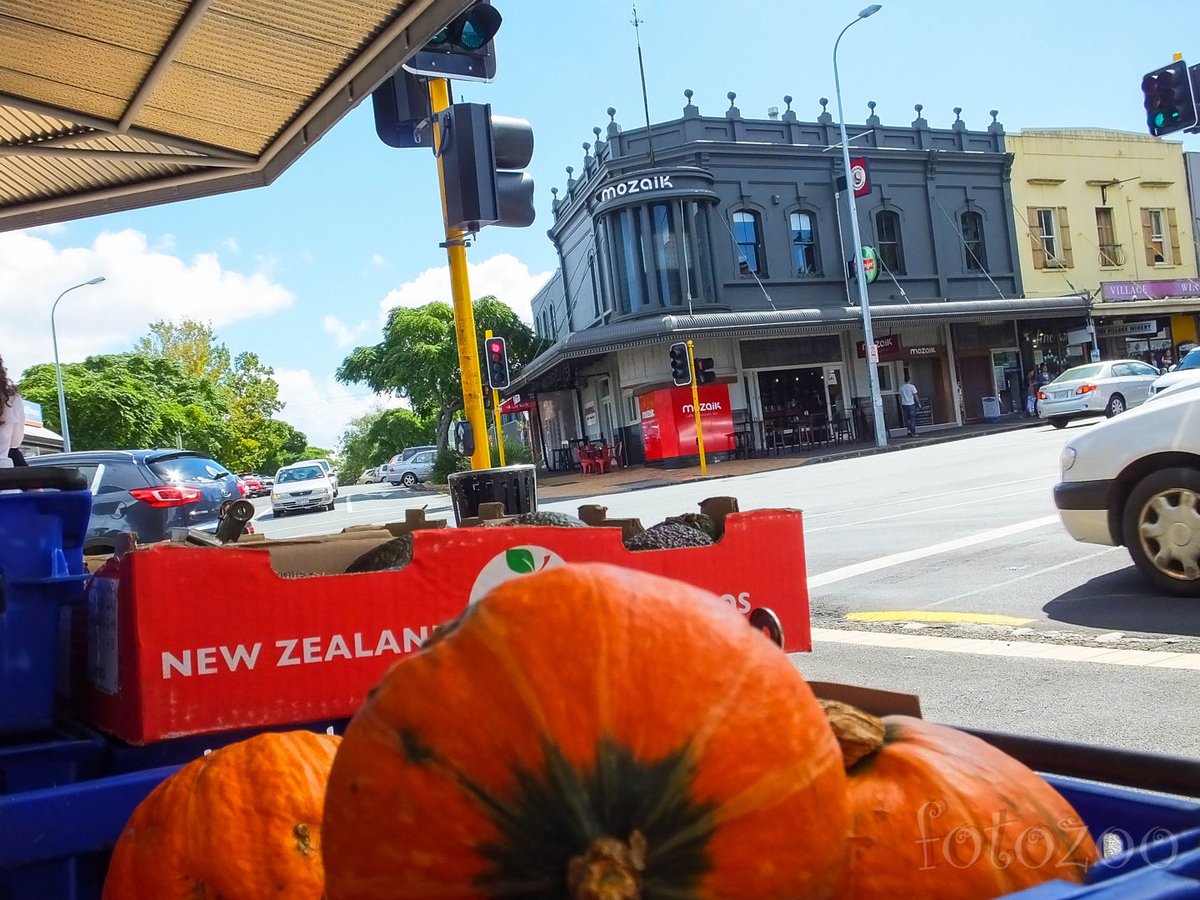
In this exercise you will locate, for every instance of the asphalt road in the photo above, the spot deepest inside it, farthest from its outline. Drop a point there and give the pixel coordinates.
(957, 532)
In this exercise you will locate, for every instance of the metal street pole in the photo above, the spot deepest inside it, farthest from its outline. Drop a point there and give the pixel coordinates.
(62, 399)
(863, 300)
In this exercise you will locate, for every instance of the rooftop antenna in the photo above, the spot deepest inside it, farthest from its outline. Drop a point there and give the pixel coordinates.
(642, 67)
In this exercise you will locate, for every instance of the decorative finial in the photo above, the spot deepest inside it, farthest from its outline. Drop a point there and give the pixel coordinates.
(733, 112)
(570, 171)
(732, 95)
(554, 191)
(993, 113)
(920, 121)
(787, 98)
(612, 113)
(995, 127)
(918, 107)
(958, 124)
(872, 119)
(958, 112)
(825, 118)
(689, 93)
(789, 114)
(586, 148)
(871, 105)
(690, 110)
(596, 131)
(613, 128)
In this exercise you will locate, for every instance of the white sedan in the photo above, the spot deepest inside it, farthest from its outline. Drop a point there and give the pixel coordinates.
(1095, 389)
(301, 486)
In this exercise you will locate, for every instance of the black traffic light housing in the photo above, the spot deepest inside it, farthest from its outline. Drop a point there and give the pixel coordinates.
(705, 373)
(1170, 99)
(482, 156)
(463, 48)
(495, 354)
(681, 370)
(403, 116)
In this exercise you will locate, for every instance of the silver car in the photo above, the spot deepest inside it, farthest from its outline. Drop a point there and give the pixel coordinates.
(1095, 389)
(412, 471)
(301, 486)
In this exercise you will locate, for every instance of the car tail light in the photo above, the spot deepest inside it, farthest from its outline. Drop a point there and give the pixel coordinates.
(1085, 389)
(163, 497)
(1041, 395)
(241, 488)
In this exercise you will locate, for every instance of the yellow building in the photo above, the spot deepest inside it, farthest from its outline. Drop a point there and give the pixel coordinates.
(1107, 212)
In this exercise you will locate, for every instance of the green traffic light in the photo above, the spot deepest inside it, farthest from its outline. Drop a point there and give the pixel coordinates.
(1159, 119)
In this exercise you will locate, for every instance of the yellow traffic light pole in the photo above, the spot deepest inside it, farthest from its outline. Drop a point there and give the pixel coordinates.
(460, 289)
(696, 407)
(487, 336)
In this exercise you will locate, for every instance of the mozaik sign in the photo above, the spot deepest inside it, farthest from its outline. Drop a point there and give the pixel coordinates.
(638, 185)
(1149, 290)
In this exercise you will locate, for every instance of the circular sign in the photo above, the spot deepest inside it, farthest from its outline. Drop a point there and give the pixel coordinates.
(513, 563)
(858, 177)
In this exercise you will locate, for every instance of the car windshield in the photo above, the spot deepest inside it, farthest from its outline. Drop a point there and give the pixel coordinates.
(306, 473)
(1081, 373)
(180, 469)
(1191, 361)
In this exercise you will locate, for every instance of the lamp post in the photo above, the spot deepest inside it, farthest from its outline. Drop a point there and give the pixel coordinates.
(62, 400)
(863, 301)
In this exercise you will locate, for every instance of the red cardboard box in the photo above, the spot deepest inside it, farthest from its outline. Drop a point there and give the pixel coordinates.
(187, 640)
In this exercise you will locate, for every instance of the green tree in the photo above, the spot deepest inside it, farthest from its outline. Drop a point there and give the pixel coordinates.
(375, 437)
(418, 357)
(192, 345)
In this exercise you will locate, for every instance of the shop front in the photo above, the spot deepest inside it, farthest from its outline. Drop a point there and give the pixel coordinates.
(1152, 321)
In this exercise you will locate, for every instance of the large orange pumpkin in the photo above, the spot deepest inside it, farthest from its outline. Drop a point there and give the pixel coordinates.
(589, 732)
(942, 815)
(243, 821)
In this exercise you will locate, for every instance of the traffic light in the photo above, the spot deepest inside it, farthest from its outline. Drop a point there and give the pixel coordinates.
(1169, 99)
(496, 353)
(482, 156)
(463, 48)
(402, 111)
(704, 370)
(681, 371)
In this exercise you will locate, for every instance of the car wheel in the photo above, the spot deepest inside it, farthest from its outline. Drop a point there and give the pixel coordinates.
(280, 513)
(329, 506)
(1161, 528)
(409, 480)
(1116, 406)
(1058, 421)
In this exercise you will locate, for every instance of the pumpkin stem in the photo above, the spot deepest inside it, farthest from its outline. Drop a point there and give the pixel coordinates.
(858, 733)
(609, 870)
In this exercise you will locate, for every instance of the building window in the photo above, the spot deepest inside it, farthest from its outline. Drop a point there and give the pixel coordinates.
(1106, 236)
(665, 237)
(748, 234)
(887, 236)
(972, 236)
(1050, 236)
(804, 244)
(1160, 234)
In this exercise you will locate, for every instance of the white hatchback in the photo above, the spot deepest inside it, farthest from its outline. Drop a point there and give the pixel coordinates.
(301, 486)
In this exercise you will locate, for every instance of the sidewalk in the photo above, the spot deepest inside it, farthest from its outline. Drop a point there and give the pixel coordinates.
(569, 485)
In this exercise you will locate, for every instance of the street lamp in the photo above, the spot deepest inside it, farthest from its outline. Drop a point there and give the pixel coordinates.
(62, 400)
(863, 301)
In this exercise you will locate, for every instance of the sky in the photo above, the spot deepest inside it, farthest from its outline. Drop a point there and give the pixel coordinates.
(303, 270)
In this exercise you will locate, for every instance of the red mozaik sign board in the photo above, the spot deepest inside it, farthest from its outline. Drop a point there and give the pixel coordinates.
(669, 421)
(187, 640)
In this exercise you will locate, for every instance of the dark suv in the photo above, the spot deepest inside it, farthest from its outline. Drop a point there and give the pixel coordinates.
(147, 491)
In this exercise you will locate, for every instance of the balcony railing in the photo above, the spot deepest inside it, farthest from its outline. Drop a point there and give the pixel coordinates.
(1111, 255)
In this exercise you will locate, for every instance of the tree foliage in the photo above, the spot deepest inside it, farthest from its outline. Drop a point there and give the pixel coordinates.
(418, 357)
(375, 437)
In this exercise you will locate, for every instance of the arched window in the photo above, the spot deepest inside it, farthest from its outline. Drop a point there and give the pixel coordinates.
(887, 236)
(972, 237)
(747, 232)
(804, 244)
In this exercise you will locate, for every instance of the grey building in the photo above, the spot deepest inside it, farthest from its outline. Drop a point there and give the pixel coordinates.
(732, 232)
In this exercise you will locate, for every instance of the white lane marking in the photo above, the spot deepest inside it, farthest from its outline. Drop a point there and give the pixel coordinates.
(1003, 584)
(897, 559)
(324, 526)
(920, 498)
(1156, 659)
(974, 502)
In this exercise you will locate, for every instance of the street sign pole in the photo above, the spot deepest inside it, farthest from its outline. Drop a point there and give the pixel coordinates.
(487, 336)
(460, 290)
(696, 407)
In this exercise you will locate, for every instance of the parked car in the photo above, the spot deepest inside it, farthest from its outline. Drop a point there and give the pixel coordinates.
(148, 492)
(1135, 481)
(1187, 370)
(373, 475)
(1174, 390)
(301, 486)
(390, 467)
(253, 484)
(326, 465)
(412, 471)
(1095, 389)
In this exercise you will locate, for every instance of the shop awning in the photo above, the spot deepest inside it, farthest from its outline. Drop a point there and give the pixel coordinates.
(110, 106)
(785, 322)
(1113, 309)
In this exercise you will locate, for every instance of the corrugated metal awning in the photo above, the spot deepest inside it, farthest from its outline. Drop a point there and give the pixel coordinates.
(788, 322)
(108, 105)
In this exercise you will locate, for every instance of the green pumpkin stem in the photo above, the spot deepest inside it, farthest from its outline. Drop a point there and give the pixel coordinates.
(609, 870)
(858, 733)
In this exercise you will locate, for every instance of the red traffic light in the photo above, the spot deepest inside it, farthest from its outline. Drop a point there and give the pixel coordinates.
(496, 347)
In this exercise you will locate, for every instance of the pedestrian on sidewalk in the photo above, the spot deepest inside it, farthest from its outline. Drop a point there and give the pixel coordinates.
(12, 419)
(908, 405)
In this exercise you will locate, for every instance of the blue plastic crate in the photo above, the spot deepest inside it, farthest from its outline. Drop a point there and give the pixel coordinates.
(41, 569)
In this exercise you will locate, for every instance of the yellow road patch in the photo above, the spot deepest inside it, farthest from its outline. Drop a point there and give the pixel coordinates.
(922, 615)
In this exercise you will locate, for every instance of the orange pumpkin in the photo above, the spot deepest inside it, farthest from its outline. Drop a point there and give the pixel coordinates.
(942, 815)
(589, 732)
(243, 821)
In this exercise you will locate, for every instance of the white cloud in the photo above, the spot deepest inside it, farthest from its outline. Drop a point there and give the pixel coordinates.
(504, 276)
(231, 245)
(379, 260)
(142, 284)
(340, 331)
(322, 407)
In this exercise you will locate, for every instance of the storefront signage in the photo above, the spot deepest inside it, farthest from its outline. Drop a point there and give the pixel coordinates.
(515, 404)
(929, 350)
(669, 421)
(33, 414)
(638, 185)
(859, 177)
(589, 413)
(888, 347)
(1128, 328)
(1149, 290)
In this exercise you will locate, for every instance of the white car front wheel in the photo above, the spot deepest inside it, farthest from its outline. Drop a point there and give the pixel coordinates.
(1161, 526)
